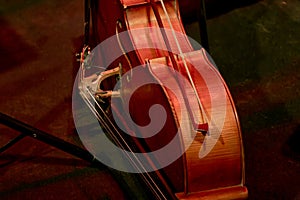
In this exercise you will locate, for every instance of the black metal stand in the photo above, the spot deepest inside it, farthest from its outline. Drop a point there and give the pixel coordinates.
(202, 25)
(86, 22)
(27, 130)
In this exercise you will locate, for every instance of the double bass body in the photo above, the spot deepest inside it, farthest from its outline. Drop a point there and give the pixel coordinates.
(212, 166)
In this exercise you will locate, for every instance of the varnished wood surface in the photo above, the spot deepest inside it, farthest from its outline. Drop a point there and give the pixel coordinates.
(223, 166)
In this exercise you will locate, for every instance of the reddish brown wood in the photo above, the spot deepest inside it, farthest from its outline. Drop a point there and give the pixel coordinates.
(220, 174)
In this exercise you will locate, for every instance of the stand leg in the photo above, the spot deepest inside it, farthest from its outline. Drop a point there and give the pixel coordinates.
(12, 142)
(27, 130)
(86, 22)
(202, 25)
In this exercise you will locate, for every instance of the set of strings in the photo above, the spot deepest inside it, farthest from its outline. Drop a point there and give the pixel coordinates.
(181, 55)
(109, 126)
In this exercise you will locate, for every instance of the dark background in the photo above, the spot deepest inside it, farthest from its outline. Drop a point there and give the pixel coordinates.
(256, 46)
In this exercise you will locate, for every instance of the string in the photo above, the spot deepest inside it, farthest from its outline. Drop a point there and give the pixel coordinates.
(134, 160)
(174, 63)
(184, 61)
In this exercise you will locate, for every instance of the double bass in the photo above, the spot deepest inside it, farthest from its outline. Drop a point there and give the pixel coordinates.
(162, 101)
